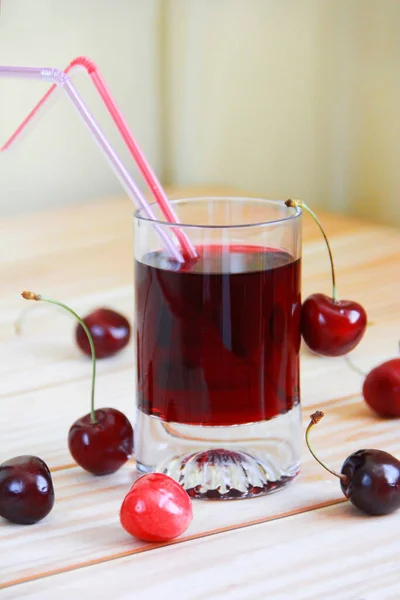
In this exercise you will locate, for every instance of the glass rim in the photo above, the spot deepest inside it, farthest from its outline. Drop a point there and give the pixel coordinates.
(141, 216)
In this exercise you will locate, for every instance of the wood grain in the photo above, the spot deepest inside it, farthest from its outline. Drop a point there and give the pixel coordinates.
(83, 255)
(84, 524)
(330, 554)
(84, 527)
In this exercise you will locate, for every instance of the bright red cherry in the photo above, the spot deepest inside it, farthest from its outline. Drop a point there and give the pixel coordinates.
(110, 331)
(156, 509)
(329, 326)
(26, 490)
(381, 388)
(101, 441)
(101, 446)
(332, 328)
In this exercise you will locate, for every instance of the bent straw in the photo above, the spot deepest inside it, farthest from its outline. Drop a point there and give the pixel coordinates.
(61, 79)
(134, 149)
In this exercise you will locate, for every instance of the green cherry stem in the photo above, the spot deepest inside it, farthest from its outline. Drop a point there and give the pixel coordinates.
(21, 319)
(301, 204)
(39, 297)
(315, 418)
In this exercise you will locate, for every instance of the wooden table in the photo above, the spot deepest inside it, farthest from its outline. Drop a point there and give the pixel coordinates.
(304, 542)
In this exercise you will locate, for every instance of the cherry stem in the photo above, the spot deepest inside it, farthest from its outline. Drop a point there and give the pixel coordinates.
(354, 367)
(301, 204)
(315, 418)
(39, 297)
(21, 318)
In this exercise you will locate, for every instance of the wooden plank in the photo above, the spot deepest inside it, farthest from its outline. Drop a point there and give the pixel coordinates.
(84, 523)
(44, 381)
(334, 554)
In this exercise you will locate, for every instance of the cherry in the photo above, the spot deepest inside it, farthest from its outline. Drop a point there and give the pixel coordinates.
(26, 490)
(370, 479)
(329, 326)
(332, 327)
(156, 509)
(101, 446)
(110, 331)
(381, 388)
(101, 441)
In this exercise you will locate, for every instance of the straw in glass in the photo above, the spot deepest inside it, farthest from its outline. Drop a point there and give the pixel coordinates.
(134, 149)
(62, 80)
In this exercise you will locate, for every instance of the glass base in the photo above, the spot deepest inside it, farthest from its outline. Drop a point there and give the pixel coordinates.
(224, 463)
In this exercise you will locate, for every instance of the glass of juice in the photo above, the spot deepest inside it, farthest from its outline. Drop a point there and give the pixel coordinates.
(217, 347)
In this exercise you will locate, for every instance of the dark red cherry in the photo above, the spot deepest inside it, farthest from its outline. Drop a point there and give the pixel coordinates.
(332, 328)
(103, 446)
(372, 481)
(381, 388)
(110, 331)
(26, 490)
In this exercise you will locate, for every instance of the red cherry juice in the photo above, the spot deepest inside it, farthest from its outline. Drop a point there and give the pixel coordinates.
(218, 338)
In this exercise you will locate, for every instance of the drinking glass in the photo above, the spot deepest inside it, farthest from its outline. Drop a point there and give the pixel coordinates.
(217, 347)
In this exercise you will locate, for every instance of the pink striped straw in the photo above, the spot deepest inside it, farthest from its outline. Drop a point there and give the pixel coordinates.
(134, 149)
(63, 81)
